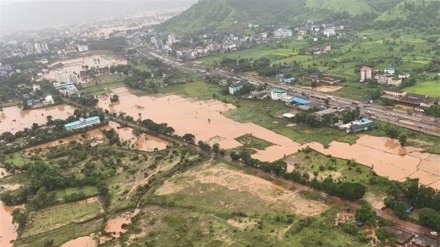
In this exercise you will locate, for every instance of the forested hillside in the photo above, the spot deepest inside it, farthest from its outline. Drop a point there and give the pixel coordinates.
(235, 15)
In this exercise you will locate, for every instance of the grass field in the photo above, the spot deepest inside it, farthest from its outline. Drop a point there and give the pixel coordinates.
(430, 88)
(250, 141)
(63, 234)
(87, 190)
(103, 84)
(198, 89)
(60, 215)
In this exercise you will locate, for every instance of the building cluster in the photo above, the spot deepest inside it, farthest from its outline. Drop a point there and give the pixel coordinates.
(207, 44)
(387, 76)
(410, 99)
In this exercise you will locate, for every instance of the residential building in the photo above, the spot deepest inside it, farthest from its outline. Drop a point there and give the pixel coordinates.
(48, 100)
(82, 48)
(282, 33)
(278, 93)
(362, 125)
(389, 71)
(329, 32)
(366, 73)
(37, 48)
(389, 80)
(82, 123)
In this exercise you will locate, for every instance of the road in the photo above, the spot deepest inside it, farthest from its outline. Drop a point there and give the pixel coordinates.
(417, 122)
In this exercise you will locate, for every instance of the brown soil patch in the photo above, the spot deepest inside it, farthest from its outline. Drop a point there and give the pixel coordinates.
(242, 222)
(118, 225)
(326, 89)
(239, 181)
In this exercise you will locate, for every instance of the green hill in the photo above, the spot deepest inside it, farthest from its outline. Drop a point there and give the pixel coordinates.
(353, 7)
(234, 15)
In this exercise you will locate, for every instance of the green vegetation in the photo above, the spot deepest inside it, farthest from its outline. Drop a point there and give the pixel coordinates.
(103, 84)
(60, 215)
(429, 88)
(250, 141)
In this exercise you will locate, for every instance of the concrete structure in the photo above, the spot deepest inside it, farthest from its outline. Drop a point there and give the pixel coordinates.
(389, 80)
(366, 73)
(234, 88)
(48, 100)
(282, 33)
(61, 76)
(389, 71)
(300, 101)
(288, 115)
(329, 31)
(82, 123)
(277, 94)
(362, 125)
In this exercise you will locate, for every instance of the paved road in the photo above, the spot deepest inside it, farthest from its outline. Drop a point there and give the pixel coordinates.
(416, 122)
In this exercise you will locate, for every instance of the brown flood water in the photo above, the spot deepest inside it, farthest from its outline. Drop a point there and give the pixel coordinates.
(86, 241)
(204, 119)
(8, 230)
(13, 119)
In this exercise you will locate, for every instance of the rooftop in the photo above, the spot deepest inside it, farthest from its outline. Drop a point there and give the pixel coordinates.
(89, 119)
(278, 90)
(300, 100)
(326, 111)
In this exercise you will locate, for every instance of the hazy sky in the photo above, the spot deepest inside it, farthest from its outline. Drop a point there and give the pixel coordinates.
(31, 14)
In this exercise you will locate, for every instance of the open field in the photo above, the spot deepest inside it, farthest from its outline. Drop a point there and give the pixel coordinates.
(208, 205)
(429, 88)
(87, 190)
(60, 215)
(103, 84)
(63, 234)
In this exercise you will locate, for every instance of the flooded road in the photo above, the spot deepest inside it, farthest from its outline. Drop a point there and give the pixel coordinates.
(13, 119)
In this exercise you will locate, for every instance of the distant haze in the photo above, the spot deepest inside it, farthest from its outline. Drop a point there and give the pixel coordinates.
(16, 15)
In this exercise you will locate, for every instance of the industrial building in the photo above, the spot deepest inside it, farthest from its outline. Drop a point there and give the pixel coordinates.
(362, 125)
(82, 123)
(300, 101)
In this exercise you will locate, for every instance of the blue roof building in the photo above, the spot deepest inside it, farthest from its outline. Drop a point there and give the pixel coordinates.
(361, 125)
(82, 123)
(300, 101)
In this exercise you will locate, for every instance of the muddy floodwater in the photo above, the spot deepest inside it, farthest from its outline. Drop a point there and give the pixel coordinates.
(8, 230)
(14, 119)
(86, 241)
(204, 119)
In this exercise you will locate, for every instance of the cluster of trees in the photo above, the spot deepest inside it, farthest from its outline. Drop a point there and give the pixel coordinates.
(310, 118)
(404, 196)
(396, 133)
(161, 128)
(115, 44)
(87, 100)
(434, 111)
(263, 65)
(345, 190)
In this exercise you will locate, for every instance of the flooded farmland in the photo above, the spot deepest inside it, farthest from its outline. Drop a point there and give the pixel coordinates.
(13, 119)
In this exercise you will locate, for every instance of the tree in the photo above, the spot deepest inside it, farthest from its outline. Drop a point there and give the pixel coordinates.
(403, 137)
(190, 138)
(216, 148)
(19, 217)
(48, 243)
(366, 215)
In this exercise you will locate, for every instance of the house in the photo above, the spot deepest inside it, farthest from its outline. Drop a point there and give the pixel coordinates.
(359, 125)
(366, 73)
(234, 88)
(296, 100)
(389, 80)
(329, 32)
(48, 100)
(282, 33)
(389, 71)
(278, 93)
(82, 123)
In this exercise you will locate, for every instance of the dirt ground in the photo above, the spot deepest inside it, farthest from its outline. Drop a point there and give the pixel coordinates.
(242, 182)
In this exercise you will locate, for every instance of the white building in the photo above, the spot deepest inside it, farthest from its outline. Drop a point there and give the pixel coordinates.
(62, 76)
(389, 71)
(37, 48)
(278, 94)
(282, 33)
(82, 123)
(82, 48)
(48, 100)
(329, 32)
